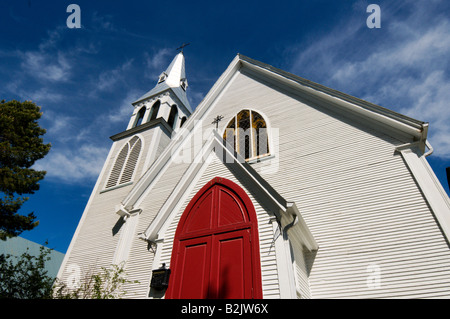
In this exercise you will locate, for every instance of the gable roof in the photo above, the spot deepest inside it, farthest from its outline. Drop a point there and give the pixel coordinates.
(371, 111)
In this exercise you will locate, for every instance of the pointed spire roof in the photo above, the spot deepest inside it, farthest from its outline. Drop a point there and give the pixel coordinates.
(173, 78)
(176, 72)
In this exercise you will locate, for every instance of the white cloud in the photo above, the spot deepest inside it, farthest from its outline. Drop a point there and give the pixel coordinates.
(157, 62)
(45, 66)
(108, 79)
(79, 147)
(159, 59)
(41, 95)
(61, 128)
(76, 157)
(405, 70)
(102, 22)
(53, 36)
(47, 62)
(432, 96)
(77, 115)
(74, 165)
(195, 98)
(125, 109)
(416, 52)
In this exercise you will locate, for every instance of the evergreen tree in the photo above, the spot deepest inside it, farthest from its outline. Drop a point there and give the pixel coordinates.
(21, 145)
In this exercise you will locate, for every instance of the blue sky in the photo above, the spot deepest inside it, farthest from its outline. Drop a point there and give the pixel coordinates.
(86, 78)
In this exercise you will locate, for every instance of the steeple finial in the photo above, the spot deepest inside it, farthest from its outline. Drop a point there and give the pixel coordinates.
(182, 47)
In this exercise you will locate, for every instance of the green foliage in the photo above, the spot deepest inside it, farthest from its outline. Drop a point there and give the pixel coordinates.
(21, 145)
(25, 277)
(108, 284)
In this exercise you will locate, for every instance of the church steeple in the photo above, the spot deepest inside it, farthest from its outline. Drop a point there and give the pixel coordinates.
(167, 100)
(175, 75)
(174, 79)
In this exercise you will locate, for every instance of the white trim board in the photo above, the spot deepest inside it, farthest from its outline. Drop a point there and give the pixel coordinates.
(429, 184)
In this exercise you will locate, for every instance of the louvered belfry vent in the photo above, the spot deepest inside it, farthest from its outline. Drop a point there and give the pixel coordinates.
(123, 169)
(131, 162)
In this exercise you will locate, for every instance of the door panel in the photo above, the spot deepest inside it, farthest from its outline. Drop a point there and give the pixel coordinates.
(201, 217)
(229, 210)
(193, 269)
(230, 271)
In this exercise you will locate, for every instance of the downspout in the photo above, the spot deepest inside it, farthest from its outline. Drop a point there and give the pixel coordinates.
(285, 259)
(291, 224)
(399, 148)
(422, 143)
(430, 149)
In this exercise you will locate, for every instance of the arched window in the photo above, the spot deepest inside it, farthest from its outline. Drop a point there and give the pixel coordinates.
(123, 168)
(247, 133)
(183, 119)
(139, 116)
(154, 110)
(173, 116)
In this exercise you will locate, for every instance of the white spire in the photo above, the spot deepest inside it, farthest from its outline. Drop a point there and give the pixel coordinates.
(173, 78)
(175, 72)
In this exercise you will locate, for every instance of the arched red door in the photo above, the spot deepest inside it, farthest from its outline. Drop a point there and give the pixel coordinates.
(216, 248)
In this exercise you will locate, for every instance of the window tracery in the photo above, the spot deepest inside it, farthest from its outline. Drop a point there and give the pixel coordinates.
(247, 133)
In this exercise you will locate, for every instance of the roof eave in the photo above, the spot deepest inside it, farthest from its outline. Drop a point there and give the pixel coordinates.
(413, 127)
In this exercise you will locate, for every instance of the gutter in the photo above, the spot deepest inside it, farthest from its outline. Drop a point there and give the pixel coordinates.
(378, 113)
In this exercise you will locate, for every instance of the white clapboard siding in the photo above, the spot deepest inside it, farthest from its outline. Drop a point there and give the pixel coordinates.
(267, 252)
(357, 197)
(301, 273)
(354, 191)
(97, 235)
(140, 261)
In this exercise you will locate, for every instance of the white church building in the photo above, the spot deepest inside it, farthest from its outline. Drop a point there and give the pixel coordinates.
(274, 187)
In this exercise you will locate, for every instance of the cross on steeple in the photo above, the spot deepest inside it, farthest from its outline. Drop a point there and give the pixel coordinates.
(217, 120)
(182, 46)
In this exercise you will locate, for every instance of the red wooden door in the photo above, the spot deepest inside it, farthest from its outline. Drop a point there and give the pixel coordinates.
(216, 251)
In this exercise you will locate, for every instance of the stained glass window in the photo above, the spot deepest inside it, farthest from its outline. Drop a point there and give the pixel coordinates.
(247, 133)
